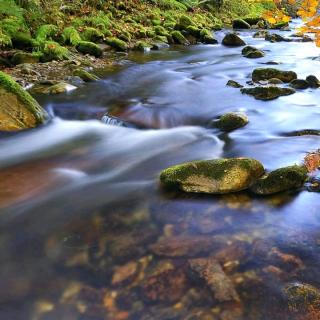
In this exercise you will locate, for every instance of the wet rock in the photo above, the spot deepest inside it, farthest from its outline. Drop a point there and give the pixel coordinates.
(276, 38)
(209, 270)
(18, 110)
(233, 40)
(186, 246)
(240, 24)
(232, 121)
(59, 87)
(213, 176)
(304, 132)
(142, 46)
(234, 84)
(206, 36)
(313, 81)
(299, 84)
(252, 52)
(85, 75)
(235, 251)
(25, 57)
(160, 46)
(268, 73)
(267, 93)
(261, 34)
(302, 297)
(167, 285)
(275, 81)
(279, 180)
(253, 20)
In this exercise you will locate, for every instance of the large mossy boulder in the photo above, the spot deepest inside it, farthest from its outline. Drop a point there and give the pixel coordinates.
(233, 40)
(231, 121)
(117, 44)
(279, 180)
(87, 47)
(18, 110)
(268, 92)
(213, 176)
(179, 38)
(269, 73)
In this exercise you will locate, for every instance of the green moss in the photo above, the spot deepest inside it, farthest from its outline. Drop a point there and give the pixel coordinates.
(279, 180)
(194, 31)
(117, 44)
(142, 46)
(31, 104)
(85, 75)
(184, 22)
(91, 48)
(13, 25)
(5, 40)
(179, 38)
(71, 36)
(46, 32)
(267, 93)
(161, 31)
(92, 34)
(53, 51)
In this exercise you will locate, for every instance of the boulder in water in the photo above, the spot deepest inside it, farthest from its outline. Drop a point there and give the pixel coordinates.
(18, 110)
(313, 81)
(299, 84)
(234, 84)
(279, 180)
(268, 73)
(267, 93)
(252, 52)
(213, 176)
(233, 40)
(232, 121)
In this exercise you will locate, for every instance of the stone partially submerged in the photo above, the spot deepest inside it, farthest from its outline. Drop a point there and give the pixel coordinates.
(268, 92)
(269, 73)
(18, 110)
(233, 40)
(231, 121)
(279, 180)
(213, 176)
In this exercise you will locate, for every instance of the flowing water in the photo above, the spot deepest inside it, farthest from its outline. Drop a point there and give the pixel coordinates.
(81, 206)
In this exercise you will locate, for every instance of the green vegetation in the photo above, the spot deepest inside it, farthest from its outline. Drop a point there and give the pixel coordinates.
(46, 27)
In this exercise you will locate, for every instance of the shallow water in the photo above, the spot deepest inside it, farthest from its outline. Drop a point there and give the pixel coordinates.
(81, 198)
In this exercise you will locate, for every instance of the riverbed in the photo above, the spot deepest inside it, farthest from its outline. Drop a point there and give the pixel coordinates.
(81, 206)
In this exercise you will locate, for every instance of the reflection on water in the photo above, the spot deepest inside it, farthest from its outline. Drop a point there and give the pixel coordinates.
(86, 232)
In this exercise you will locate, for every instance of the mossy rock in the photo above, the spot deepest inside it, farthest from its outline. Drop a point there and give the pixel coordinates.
(179, 38)
(25, 57)
(240, 24)
(71, 36)
(18, 110)
(184, 22)
(268, 73)
(59, 87)
(53, 51)
(302, 297)
(117, 44)
(279, 180)
(268, 93)
(262, 34)
(280, 25)
(232, 121)
(276, 38)
(142, 46)
(206, 36)
(275, 81)
(23, 41)
(85, 75)
(299, 84)
(253, 20)
(252, 52)
(234, 84)
(92, 35)
(194, 31)
(161, 39)
(87, 47)
(233, 40)
(213, 176)
(313, 81)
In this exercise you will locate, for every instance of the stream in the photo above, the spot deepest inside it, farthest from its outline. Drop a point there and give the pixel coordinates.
(81, 205)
